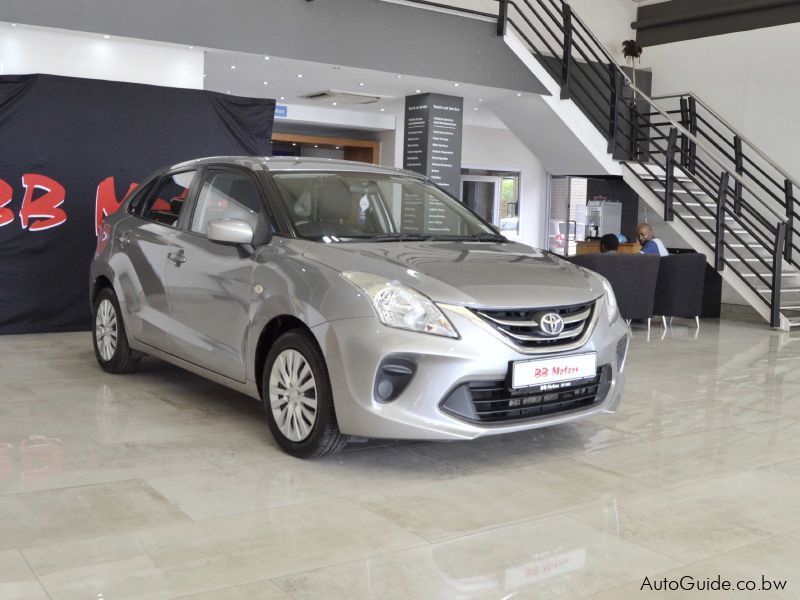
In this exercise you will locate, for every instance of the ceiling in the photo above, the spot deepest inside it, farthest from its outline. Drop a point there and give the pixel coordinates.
(279, 78)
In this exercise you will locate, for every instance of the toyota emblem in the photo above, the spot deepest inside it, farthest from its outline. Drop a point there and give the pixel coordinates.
(551, 324)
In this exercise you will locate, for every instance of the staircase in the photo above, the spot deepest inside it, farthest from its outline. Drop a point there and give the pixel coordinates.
(714, 188)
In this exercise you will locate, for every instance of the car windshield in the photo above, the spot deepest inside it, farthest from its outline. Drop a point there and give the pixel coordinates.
(369, 206)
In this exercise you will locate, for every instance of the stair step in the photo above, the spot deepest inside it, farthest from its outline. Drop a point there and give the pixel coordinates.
(794, 322)
(750, 247)
(784, 274)
(783, 291)
(797, 307)
(736, 231)
(697, 192)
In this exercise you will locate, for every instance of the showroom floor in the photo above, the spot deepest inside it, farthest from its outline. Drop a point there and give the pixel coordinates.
(162, 485)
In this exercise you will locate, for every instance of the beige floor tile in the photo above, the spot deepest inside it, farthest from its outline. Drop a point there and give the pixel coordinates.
(17, 582)
(233, 489)
(665, 413)
(260, 590)
(49, 462)
(696, 521)
(770, 565)
(548, 558)
(677, 460)
(789, 467)
(468, 504)
(80, 512)
(112, 428)
(217, 553)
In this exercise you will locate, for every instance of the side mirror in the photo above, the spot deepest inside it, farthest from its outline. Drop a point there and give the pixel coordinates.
(230, 231)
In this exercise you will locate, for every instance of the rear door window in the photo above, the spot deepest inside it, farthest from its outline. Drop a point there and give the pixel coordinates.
(166, 203)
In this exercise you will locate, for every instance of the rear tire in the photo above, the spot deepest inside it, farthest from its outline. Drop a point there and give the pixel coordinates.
(297, 398)
(110, 340)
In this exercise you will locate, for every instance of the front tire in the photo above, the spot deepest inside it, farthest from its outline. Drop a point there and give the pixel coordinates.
(111, 348)
(297, 398)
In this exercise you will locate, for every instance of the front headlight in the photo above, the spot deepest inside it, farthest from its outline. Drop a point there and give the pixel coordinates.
(400, 306)
(611, 301)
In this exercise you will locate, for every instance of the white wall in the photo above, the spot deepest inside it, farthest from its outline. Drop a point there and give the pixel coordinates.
(609, 20)
(752, 78)
(24, 50)
(499, 149)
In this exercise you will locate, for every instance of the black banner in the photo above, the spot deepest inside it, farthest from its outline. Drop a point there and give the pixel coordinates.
(70, 151)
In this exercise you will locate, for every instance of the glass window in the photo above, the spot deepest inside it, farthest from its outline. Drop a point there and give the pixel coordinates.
(368, 205)
(227, 195)
(166, 204)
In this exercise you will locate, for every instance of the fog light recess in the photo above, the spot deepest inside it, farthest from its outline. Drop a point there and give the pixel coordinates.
(394, 375)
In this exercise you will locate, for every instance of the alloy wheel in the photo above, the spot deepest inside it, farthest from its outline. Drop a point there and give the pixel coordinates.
(105, 329)
(293, 395)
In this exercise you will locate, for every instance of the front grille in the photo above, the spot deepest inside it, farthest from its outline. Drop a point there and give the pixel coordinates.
(493, 403)
(523, 328)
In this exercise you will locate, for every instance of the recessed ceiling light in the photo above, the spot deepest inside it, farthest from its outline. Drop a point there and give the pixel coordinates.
(316, 145)
(13, 24)
(338, 147)
(480, 99)
(227, 91)
(299, 75)
(399, 76)
(191, 47)
(383, 109)
(362, 84)
(456, 84)
(266, 83)
(294, 143)
(107, 37)
(204, 75)
(283, 98)
(336, 68)
(474, 109)
(419, 91)
(233, 66)
(519, 94)
(333, 103)
(266, 58)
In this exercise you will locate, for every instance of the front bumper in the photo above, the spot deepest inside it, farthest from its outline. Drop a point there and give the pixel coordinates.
(354, 349)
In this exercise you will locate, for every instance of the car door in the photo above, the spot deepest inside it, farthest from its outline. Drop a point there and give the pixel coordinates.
(209, 284)
(144, 240)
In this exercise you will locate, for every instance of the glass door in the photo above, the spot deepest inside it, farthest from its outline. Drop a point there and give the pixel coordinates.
(567, 210)
(481, 193)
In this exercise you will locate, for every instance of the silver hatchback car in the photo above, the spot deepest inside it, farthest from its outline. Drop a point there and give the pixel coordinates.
(351, 300)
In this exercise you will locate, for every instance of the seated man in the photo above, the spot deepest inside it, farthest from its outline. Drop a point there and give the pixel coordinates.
(609, 244)
(650, 243)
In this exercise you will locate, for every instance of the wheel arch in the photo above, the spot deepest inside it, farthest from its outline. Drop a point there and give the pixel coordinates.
(100, 283)
(276, 327)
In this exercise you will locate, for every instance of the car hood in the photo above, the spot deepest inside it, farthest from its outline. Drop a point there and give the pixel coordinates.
(507, 275)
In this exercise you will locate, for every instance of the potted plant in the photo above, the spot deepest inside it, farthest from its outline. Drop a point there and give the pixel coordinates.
(632, 52)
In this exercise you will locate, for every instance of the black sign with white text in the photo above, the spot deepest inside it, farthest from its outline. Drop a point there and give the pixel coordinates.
(432, 147)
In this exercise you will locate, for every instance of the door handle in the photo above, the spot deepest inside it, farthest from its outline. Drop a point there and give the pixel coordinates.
(177, 257)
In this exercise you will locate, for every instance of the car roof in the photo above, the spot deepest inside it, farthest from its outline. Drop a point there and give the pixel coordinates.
(295, 163)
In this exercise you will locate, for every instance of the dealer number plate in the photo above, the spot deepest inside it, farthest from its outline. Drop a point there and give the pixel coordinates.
(527, 373)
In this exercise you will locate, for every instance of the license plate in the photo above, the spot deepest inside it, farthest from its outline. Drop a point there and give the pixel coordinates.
(527, 373)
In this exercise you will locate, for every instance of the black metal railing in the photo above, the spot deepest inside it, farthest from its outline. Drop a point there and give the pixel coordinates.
(740, 206)
(771, 181)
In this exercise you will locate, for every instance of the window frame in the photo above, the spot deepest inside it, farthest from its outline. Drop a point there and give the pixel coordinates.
(208, 171)
(155, 186)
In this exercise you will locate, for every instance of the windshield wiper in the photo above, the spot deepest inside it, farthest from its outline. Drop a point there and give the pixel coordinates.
(488, 237)
(399, 237)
